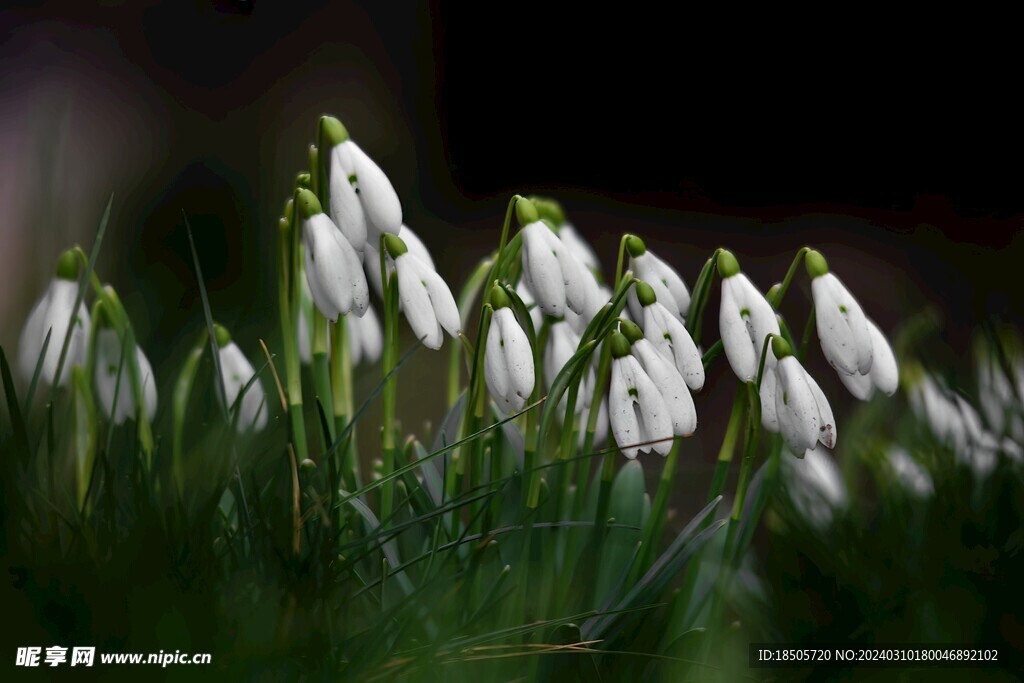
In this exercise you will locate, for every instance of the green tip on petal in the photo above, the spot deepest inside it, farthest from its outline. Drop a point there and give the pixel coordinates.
(635, 246)
(619, 345)
(499, 298)
(781, 348)
(727, 264)
(526, 212)
(645, 293)
(307, 204)
(67, 265)
(816, 264)
(631, 331)
(394, 244)
(332, 131)
(221, 334)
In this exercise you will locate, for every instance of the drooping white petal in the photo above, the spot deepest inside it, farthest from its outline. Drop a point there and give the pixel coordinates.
(579, 247)
(333, 269)
(108, 360)
(415, 300)
(671, 386)
(53, 312)
(795, 405)
(860, 386)
(371, 257)
(769, 386)
(543, 270)
(443, 302)
(668, 286)
(884, 373)
(366, 342)
(578, 282)
(236, 371)
(625, 422)
(380, 201)
(745, 321)
(842, 326)
(530, 301)
(346, 207)
(562, 344)
(827, 431)
(508, 363)
(672, 340)
(733, 328)
(517, 351)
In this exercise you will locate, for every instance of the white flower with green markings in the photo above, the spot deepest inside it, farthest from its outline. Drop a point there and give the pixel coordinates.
(236, 372)
(371, 257)
(745, 320)
(640, 417)
(112, 376)
(842, 326)
(334, 269)
(363, 202)
(51, 314)
(508, 358)
(793, 404)
(664, 330)
(554, 276)
(426, 300)
(669, 287)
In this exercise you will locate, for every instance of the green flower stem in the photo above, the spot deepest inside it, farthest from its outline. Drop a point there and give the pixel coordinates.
(293, 368)
(621, 259)
(532, 421)
(656, 521)
(776, 299)
(390, 393)
(321, 371)
(728, 447)
(805, 343)
(465, 303)
(341, 387)
(182, 393)
(501, 261)
(701, 293)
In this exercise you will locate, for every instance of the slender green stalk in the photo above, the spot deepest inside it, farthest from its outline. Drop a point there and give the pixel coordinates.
(465, 302)
(728, 447)
(805, 343)
(182, 392)
(656, 521)
(776, 298)
(321, 370)
(341, 388)
(390, 393)
(701, 293)
(293, 368)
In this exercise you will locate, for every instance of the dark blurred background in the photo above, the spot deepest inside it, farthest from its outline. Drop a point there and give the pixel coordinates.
(889, 144)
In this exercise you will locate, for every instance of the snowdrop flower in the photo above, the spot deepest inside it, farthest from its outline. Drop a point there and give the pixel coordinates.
(550, 211)
(550, 270)
(668, 287)
(236, 371)
(365, 337)
(563, 341)
(909, 473)
(508, 359)
(333, 268)
(363, 202)
(815, 488)
(426, 300)
(108, 362)
(669, 337)
(636, 408)
(884, 374)
(794, 405)
(666, 377)
(842, 325)
(745, 320)
(371, 257)
(52, 313)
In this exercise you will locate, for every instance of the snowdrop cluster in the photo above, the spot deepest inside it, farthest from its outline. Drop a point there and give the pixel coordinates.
(649, 401)
(956, 423)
